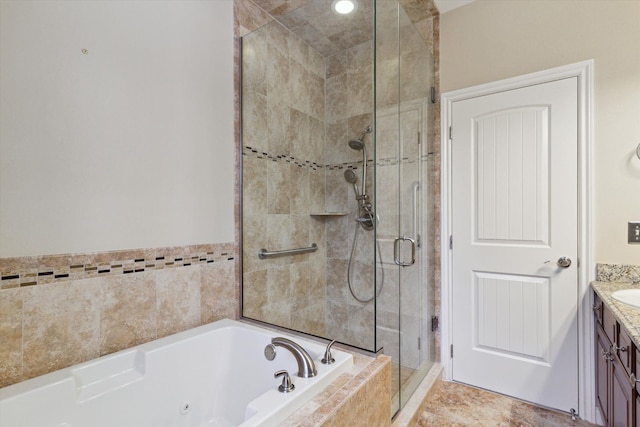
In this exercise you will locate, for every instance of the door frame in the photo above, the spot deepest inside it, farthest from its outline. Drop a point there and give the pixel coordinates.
(586, 267)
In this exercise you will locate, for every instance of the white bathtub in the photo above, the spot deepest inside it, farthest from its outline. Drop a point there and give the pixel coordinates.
(213, 375)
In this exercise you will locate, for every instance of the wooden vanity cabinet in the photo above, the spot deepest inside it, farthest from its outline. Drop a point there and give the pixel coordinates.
(616, 360)
(622, 399)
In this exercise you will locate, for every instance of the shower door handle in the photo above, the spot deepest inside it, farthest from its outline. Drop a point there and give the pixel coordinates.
(416, 234)
(396, 251)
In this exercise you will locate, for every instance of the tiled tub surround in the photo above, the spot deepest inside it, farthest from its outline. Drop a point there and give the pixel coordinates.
(90, 305)
(147, 384)
(358, 398)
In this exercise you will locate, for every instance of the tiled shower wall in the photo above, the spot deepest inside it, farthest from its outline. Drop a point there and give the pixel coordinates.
(283, 178)
(280, 177)
(57, 311)
(293, 95)
(349, 103)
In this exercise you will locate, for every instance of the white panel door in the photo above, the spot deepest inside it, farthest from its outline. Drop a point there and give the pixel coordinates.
(514, 204)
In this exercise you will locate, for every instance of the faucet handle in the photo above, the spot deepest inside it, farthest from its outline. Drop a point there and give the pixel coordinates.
(286, 386)
(328, 359)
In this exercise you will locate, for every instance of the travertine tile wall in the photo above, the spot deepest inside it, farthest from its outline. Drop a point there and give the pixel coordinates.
(404, 72)
(283, 180)
(272, 210)
(349, 110)
(57, 311)
(296, 171)
(356, 398)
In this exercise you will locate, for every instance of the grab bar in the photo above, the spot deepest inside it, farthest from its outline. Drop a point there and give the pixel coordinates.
(263, 253)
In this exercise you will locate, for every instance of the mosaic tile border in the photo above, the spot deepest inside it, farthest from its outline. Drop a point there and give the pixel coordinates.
(259, 154)
(31, 271)
(391, 161)
(618, 273)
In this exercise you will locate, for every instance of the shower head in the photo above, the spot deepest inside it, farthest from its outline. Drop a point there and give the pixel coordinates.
(356, 144)
(350, 176)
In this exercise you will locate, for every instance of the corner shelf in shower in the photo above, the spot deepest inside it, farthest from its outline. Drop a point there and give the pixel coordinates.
(327, 214)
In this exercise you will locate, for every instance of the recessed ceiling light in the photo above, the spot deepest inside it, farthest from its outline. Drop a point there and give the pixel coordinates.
(344, 7)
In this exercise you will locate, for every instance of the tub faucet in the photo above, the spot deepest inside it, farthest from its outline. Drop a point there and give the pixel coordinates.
(306, 367)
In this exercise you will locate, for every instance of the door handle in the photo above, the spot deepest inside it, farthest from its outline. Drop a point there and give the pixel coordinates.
(396, 251)
(563, 262)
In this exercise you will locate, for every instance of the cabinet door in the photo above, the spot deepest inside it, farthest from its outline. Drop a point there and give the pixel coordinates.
(609, 324)
(622, 403)
(602, 372)
(624, 349)
(597, 308)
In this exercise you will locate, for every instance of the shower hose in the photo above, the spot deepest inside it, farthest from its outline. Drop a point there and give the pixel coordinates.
(349, 269)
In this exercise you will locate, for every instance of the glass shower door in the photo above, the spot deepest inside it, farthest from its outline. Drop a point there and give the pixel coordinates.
(404, 75)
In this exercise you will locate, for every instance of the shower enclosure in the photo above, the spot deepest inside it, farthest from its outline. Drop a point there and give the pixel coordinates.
(337, 200)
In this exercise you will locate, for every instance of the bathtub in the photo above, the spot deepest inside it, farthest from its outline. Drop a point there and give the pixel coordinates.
(212, 375)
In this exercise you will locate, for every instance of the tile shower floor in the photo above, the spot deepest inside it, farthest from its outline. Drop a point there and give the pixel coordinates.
(455, 404)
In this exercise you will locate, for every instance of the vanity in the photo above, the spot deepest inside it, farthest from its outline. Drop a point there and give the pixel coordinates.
(617, 351)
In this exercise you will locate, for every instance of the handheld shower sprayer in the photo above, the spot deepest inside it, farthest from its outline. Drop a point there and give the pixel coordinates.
(351, 178)
(366, 219)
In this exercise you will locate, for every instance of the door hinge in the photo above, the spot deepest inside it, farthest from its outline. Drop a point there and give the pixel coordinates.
(451, 351)
(419, 138)
(419, 343)
(434, 95)
(435, 323)
(450, 132)
(574, 414)
(451, 241)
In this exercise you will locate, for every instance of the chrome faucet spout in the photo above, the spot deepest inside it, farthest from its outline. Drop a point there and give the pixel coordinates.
(306, 367)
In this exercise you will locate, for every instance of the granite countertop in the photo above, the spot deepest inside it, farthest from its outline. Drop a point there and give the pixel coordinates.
(628, 316)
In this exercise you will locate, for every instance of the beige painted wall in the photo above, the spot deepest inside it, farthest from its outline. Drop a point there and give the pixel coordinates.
(490, 40)
(129, 145)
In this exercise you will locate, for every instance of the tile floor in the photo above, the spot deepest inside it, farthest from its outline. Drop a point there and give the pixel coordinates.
(455, 404)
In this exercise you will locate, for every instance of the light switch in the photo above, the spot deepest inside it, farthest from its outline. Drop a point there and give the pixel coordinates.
(634, 232)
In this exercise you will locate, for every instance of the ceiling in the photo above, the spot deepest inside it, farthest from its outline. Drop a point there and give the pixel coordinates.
(316, 23)
(328, 32)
